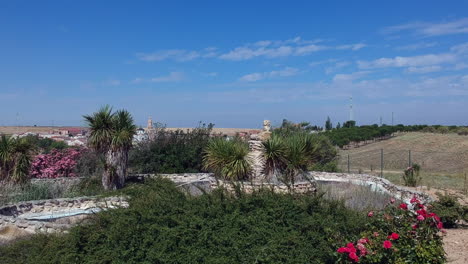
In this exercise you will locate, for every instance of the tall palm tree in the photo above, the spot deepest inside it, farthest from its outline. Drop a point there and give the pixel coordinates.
(111, 133)
(15, 159)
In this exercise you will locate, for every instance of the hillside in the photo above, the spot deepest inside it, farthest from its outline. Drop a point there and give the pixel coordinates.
(443, 157)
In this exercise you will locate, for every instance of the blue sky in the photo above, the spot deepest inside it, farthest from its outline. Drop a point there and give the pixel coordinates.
(234, 64)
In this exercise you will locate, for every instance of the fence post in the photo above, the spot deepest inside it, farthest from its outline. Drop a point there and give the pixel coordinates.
(348, 165)
(465, 185)
(410, 164)
(381, 163)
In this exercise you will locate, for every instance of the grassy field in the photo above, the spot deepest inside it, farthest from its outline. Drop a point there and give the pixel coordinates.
(443, 158)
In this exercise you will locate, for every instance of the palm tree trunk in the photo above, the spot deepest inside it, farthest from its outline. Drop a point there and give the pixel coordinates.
(115, 169)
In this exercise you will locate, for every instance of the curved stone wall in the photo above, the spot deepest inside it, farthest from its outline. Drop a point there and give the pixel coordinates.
(50, 216)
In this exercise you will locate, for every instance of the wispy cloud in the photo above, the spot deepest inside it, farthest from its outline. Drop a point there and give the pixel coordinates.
(428, 29)
(338, 65)
(356, 46)
(112, 82)
(172, 77)
(177, 55)
(461, 48)
(257, 76)
(349, 77)
(417, 46)
(425, 69)
(291, 47)
(414, 61)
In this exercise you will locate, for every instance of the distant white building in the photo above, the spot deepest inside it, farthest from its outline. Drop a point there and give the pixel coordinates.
(140, 135)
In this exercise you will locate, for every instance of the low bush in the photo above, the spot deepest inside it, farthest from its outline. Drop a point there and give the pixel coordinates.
(57, 163)
(227, 159)
(450, 210)
(171, 151)
(411, 175)
(398, 234)
(162, 225)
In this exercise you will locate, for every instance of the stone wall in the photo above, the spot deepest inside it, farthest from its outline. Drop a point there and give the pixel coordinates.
(48, 216)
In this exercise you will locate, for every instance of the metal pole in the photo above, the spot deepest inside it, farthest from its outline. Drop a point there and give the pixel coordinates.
(409, 159)
(381, 163)
(466, 185)
(348, 165)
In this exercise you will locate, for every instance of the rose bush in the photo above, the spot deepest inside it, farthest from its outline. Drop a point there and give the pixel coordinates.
(58, 163)
(407, 233)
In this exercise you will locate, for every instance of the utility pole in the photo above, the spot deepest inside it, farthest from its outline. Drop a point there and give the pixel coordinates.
(392, 118)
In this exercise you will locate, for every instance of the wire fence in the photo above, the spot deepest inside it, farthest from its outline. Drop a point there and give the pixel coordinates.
(438, 169)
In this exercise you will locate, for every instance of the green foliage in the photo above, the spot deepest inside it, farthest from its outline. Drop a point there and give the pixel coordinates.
(411, 175)
(162, 225)
(171, 151)
(331, 166)
(398, 235)
(15, 159)
(111, 133)
(228, 159)
(45, 145)
(449, 210)
(287, 128)
(295, 152)
(328, 124)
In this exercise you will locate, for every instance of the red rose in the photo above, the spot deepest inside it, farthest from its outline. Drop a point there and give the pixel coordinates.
(387, 244)
(414, 200)
(404, 206)
(393, 236)
(342, 250)
(353, 256)
(370, 214)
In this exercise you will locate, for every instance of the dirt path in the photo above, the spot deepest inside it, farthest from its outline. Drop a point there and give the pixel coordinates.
(456, 246)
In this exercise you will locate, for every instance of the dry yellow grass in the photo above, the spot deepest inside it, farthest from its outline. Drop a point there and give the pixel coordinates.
(443, 158)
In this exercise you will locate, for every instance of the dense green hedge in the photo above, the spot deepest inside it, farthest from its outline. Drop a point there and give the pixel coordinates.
(171, 151)
(163, 225)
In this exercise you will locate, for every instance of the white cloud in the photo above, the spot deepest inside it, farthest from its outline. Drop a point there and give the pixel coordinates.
(245, 53)
(356, 46)
(290, 47)
(112, 82)
(305, 50)
(253, 77)
(426, 69)
(172, 77)
(257, 76)
(461, 48)
(414, 61)
(349, 77)
(459, 26)
(177, 55)
(337, 66)
(417, 46)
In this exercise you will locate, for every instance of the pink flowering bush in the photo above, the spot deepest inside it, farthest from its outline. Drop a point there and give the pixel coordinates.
(398, 234)
(58, 163)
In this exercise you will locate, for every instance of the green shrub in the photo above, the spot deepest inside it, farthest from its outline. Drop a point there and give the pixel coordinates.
(398, 235)
(171, 151)
(227, 159)
(449, 210)
(162, 225)
(411, 175)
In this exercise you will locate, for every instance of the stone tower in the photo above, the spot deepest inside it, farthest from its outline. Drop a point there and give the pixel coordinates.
(150, 123)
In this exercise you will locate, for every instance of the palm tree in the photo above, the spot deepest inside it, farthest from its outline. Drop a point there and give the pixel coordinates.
(111, 133)
(15, 159)
(275, 155)
(227, 158)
